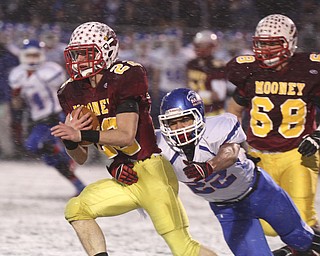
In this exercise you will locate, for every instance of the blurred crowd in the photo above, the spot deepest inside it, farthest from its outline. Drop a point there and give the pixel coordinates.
(157, 34)
(222, 14)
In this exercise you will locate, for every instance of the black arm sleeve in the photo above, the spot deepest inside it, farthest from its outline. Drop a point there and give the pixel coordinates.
(241, 100)
(129, 105)
(316, 101)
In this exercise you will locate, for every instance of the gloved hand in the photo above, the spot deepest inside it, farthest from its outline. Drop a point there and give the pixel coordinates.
(310, 144)
(124, 173)
(197, 170)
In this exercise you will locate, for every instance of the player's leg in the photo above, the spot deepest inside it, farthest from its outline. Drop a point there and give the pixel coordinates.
(159, 198)
(66, 167)
(314, 249)
(100, 199)
(204, 251)
(276, 207)
(181, 242)
(241, 230)
(6, 140)
(52, 152)
(298, 176)
(270, 165)
(92, 241)
(300, 180)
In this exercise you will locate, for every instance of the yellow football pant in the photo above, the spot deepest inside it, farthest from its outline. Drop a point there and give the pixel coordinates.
(156, 192)
(297, 175)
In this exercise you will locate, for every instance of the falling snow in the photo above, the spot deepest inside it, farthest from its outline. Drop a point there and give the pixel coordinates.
(32, 220)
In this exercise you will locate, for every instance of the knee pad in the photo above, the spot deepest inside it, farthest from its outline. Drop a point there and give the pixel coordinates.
(76, 211)
(72, 209)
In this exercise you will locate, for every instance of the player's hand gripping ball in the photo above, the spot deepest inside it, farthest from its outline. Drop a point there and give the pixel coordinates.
(95, 122)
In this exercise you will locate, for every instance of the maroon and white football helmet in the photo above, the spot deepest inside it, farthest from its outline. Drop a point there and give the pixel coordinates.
(204, 43)
(93, 47)
(275, 40)
(205, 37)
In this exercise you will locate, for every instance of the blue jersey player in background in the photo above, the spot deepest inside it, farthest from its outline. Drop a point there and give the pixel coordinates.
(34, 83)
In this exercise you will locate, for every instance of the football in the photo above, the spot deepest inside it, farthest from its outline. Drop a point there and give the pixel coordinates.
(95, 122)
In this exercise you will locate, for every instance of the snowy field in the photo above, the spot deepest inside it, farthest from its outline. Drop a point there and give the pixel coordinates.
(33, 197)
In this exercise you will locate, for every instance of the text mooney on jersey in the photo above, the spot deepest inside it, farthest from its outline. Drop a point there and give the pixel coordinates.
(281, 88)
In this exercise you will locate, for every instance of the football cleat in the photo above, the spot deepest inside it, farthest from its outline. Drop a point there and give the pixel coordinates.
(283, 251)
(287, 251)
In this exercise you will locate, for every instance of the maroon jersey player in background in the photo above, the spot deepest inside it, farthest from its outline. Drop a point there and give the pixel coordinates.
(206, 74)
(279, 90)
(117, 92)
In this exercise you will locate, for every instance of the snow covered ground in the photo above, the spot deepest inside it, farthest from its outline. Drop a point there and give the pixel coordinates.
(32, 202)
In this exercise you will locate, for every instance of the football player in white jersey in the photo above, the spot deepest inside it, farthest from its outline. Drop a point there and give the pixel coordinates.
(207, 157)
(34, 85)
(168, 67)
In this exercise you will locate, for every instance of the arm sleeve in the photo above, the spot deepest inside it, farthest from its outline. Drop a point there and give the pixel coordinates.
(316, 101)
(240, 99)
(128, 106)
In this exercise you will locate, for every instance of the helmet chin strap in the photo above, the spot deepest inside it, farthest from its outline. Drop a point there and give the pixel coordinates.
(272, 61)
(86, 72)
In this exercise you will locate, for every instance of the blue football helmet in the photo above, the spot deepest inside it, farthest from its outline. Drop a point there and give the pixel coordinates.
(179, 103)
(32, 54)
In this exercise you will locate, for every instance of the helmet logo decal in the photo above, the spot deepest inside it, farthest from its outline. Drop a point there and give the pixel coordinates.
(292, 28)
(192, 97)
(176, 105)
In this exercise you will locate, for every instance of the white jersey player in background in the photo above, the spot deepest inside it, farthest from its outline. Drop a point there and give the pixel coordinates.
(168, 68)
(207, 157)
(34, 85)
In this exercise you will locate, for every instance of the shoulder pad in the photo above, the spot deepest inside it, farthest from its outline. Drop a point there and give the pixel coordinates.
(64, 85)
(314, 57)
(241, 100)
(245, 59)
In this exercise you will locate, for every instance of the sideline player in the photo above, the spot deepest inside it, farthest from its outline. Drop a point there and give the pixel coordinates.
(34, 84)
(207, 157)
(117, 91)
(205, 73)
(279, 89)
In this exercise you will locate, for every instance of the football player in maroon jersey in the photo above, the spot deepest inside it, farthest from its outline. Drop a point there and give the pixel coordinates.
(279, 89)
(206, 74)
(117, 92)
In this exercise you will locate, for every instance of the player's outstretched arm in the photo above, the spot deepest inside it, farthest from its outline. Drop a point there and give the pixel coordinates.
(227, 156)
